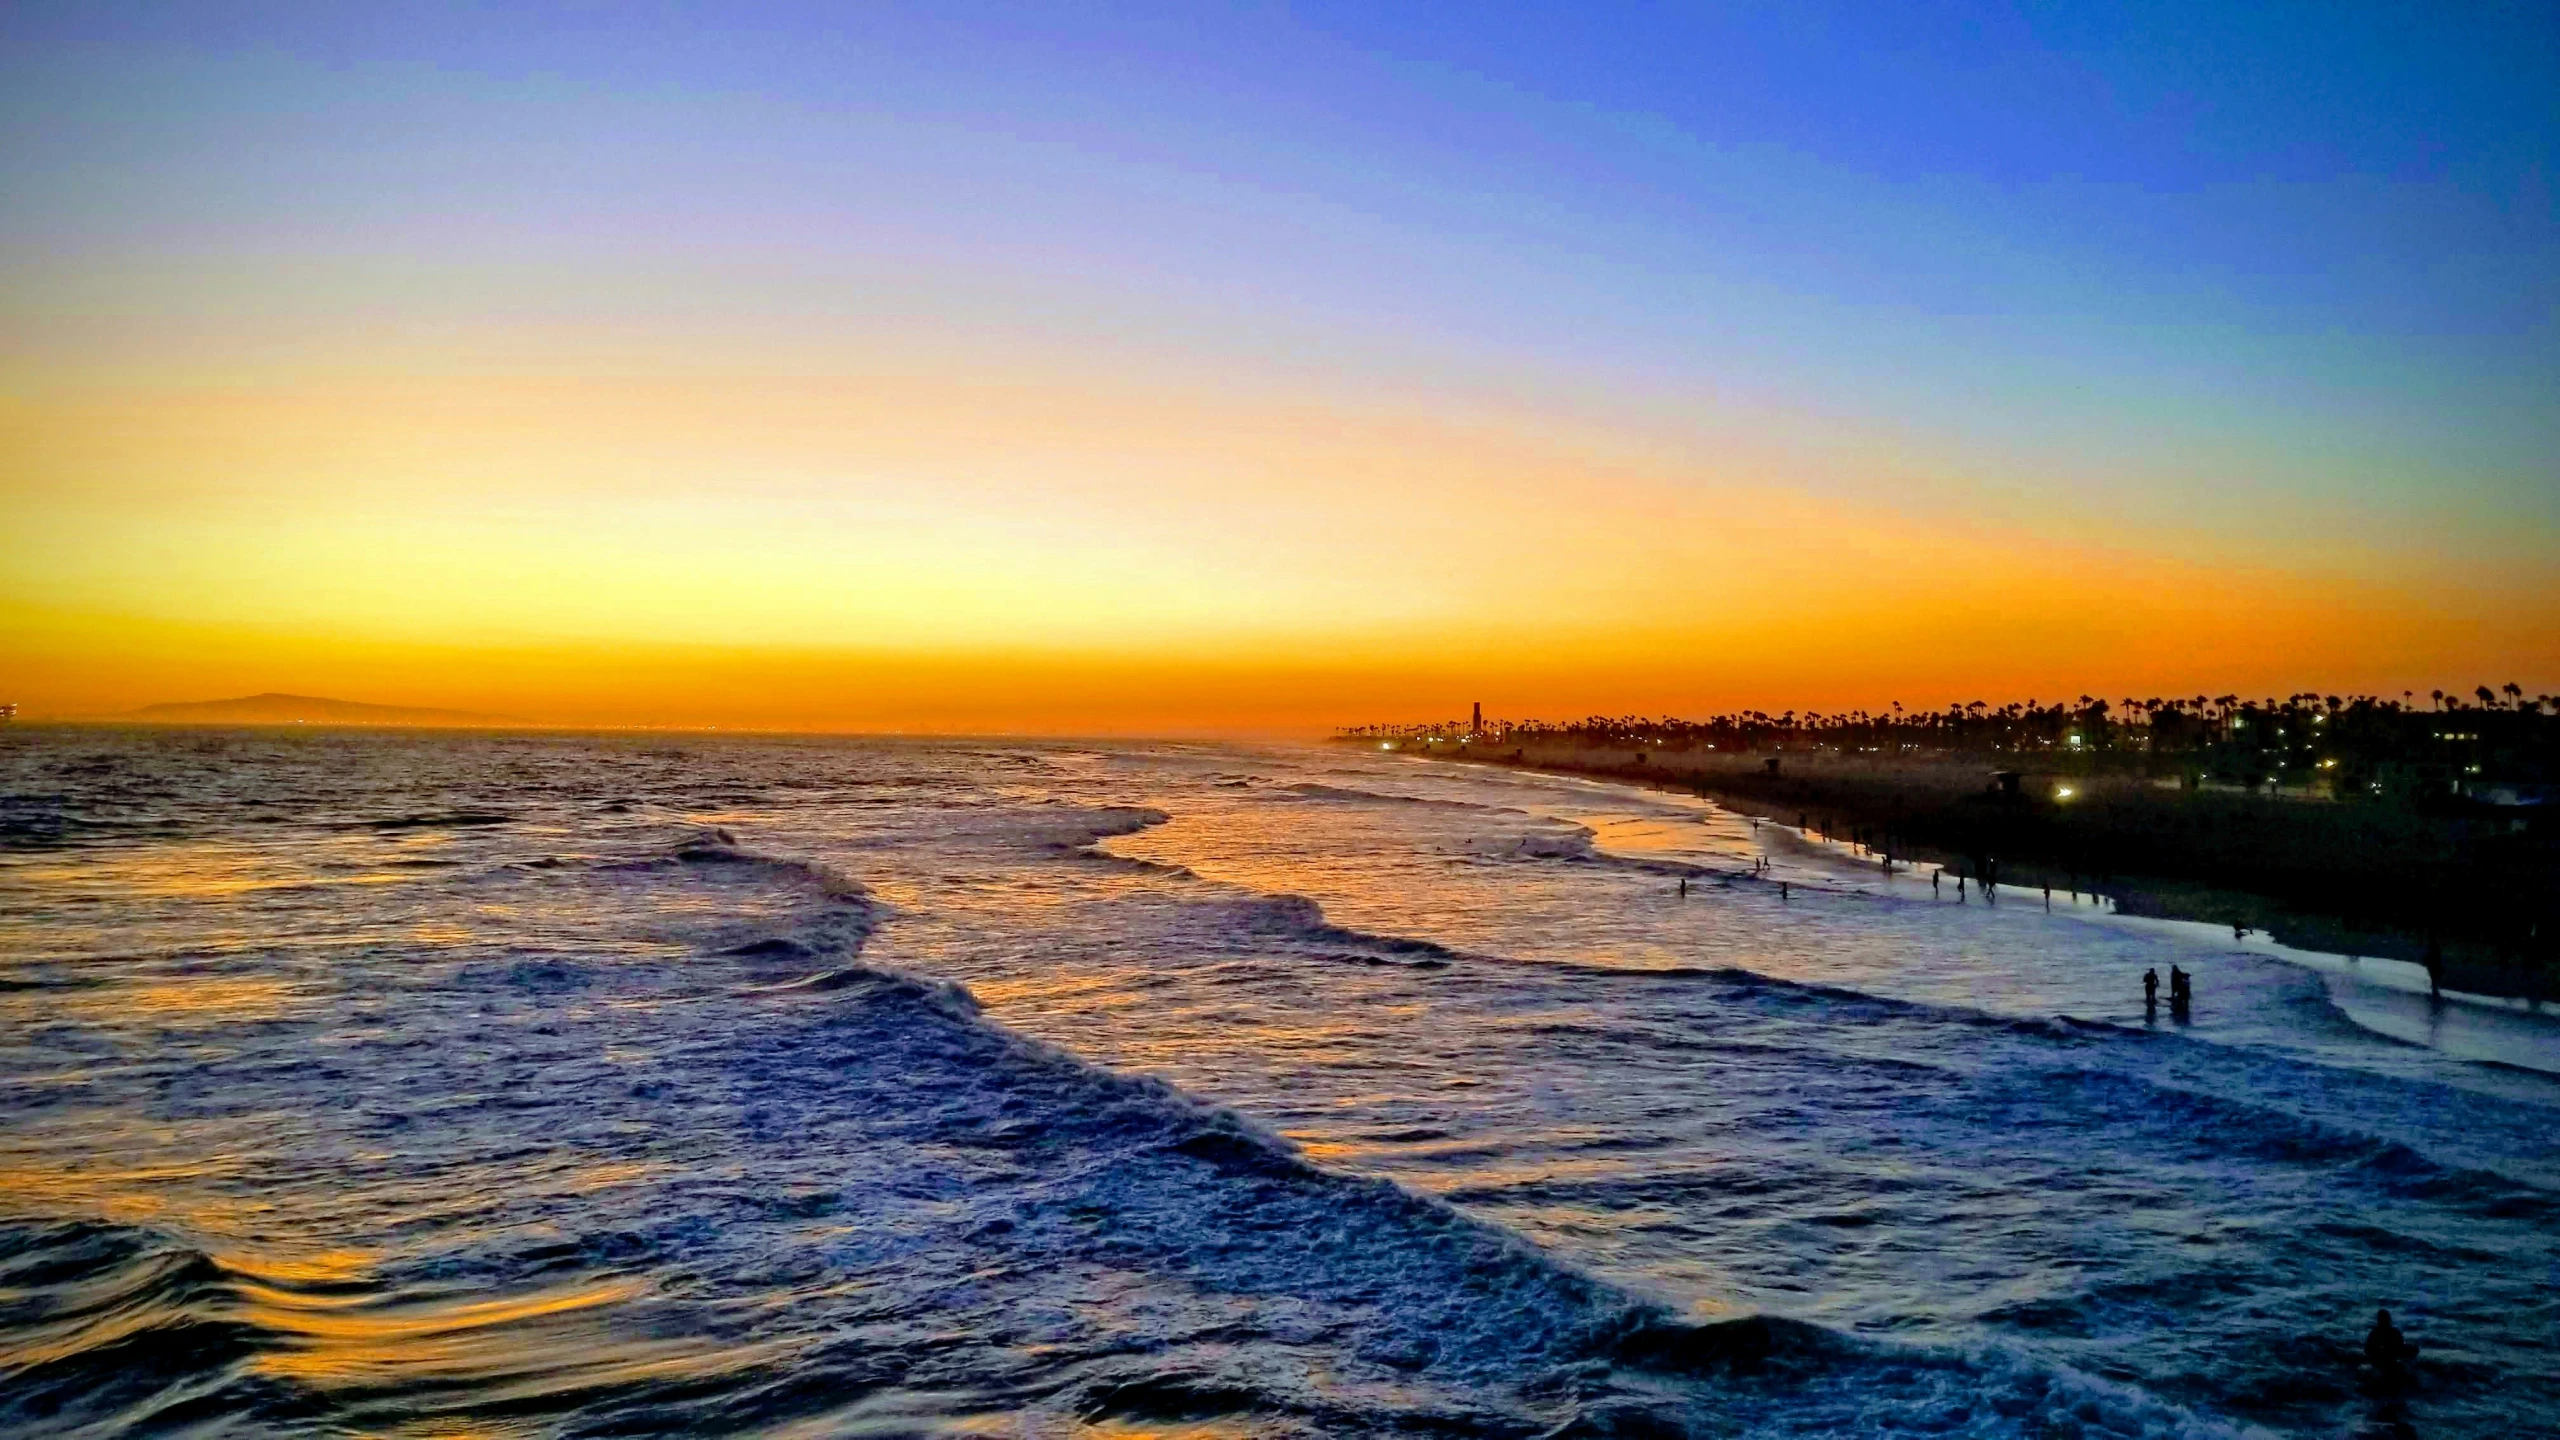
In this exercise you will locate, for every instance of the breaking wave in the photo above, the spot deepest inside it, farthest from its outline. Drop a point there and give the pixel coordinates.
(584, 1124)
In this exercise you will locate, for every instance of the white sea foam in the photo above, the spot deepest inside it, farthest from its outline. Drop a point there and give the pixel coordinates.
(780, 1085)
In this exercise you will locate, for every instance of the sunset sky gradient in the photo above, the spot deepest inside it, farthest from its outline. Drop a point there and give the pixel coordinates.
(1179, 369)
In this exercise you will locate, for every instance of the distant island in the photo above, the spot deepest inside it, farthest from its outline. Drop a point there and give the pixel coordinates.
(275, 709)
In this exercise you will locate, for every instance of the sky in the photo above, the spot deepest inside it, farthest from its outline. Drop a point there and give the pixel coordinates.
(1192, 369)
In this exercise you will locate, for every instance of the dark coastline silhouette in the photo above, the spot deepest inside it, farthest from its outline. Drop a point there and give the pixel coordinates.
(2420, 830)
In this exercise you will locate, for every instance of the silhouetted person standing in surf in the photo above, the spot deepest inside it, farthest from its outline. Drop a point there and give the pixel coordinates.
(2388, 1351)
(2150, 991)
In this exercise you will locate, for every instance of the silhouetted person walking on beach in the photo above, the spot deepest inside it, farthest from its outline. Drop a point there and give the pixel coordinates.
(1934, 877)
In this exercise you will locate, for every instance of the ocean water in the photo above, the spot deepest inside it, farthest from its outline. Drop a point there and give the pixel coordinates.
(485, 1085)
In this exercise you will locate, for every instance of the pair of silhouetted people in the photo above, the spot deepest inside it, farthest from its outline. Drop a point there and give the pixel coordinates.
(2181, 991)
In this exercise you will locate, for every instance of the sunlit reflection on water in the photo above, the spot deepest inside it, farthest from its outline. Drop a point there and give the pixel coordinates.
(511, 1086)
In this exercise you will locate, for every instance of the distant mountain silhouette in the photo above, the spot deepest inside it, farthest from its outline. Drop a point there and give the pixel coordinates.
(275, 709)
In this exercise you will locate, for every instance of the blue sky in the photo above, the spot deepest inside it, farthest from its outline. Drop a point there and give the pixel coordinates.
(2336, 212)
(2232, 280)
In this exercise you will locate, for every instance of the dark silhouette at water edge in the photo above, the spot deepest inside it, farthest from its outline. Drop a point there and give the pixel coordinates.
(2363, 827)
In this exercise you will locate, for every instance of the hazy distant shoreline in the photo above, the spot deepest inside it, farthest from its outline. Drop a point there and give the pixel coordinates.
(2284, 868)
(274, 708)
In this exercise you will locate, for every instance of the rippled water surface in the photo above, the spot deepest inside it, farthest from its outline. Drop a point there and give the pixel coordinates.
(531, 1085)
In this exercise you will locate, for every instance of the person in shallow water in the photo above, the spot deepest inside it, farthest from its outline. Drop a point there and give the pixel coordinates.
(2387, 1350)
(2150, 989)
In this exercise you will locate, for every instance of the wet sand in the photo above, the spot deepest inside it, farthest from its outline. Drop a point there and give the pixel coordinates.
(2366, 882)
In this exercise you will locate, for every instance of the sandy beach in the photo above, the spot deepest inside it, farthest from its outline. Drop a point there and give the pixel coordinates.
(2353, 880)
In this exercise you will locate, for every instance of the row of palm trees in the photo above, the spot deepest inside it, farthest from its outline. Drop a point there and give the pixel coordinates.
(2368, 729)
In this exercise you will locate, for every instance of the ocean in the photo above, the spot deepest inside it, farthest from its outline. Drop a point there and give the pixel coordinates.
(422, 1084)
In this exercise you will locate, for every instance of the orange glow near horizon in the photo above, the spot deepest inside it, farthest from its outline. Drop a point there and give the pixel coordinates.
(1252, 378)
(950, 554)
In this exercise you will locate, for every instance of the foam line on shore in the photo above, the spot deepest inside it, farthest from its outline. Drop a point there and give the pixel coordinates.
(2404, 977)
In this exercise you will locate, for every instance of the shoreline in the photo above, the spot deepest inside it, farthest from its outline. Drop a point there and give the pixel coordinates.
(1912, 809)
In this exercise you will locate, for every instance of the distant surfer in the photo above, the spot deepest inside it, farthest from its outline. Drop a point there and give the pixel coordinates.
(1684, 887)
(2388, 1352)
